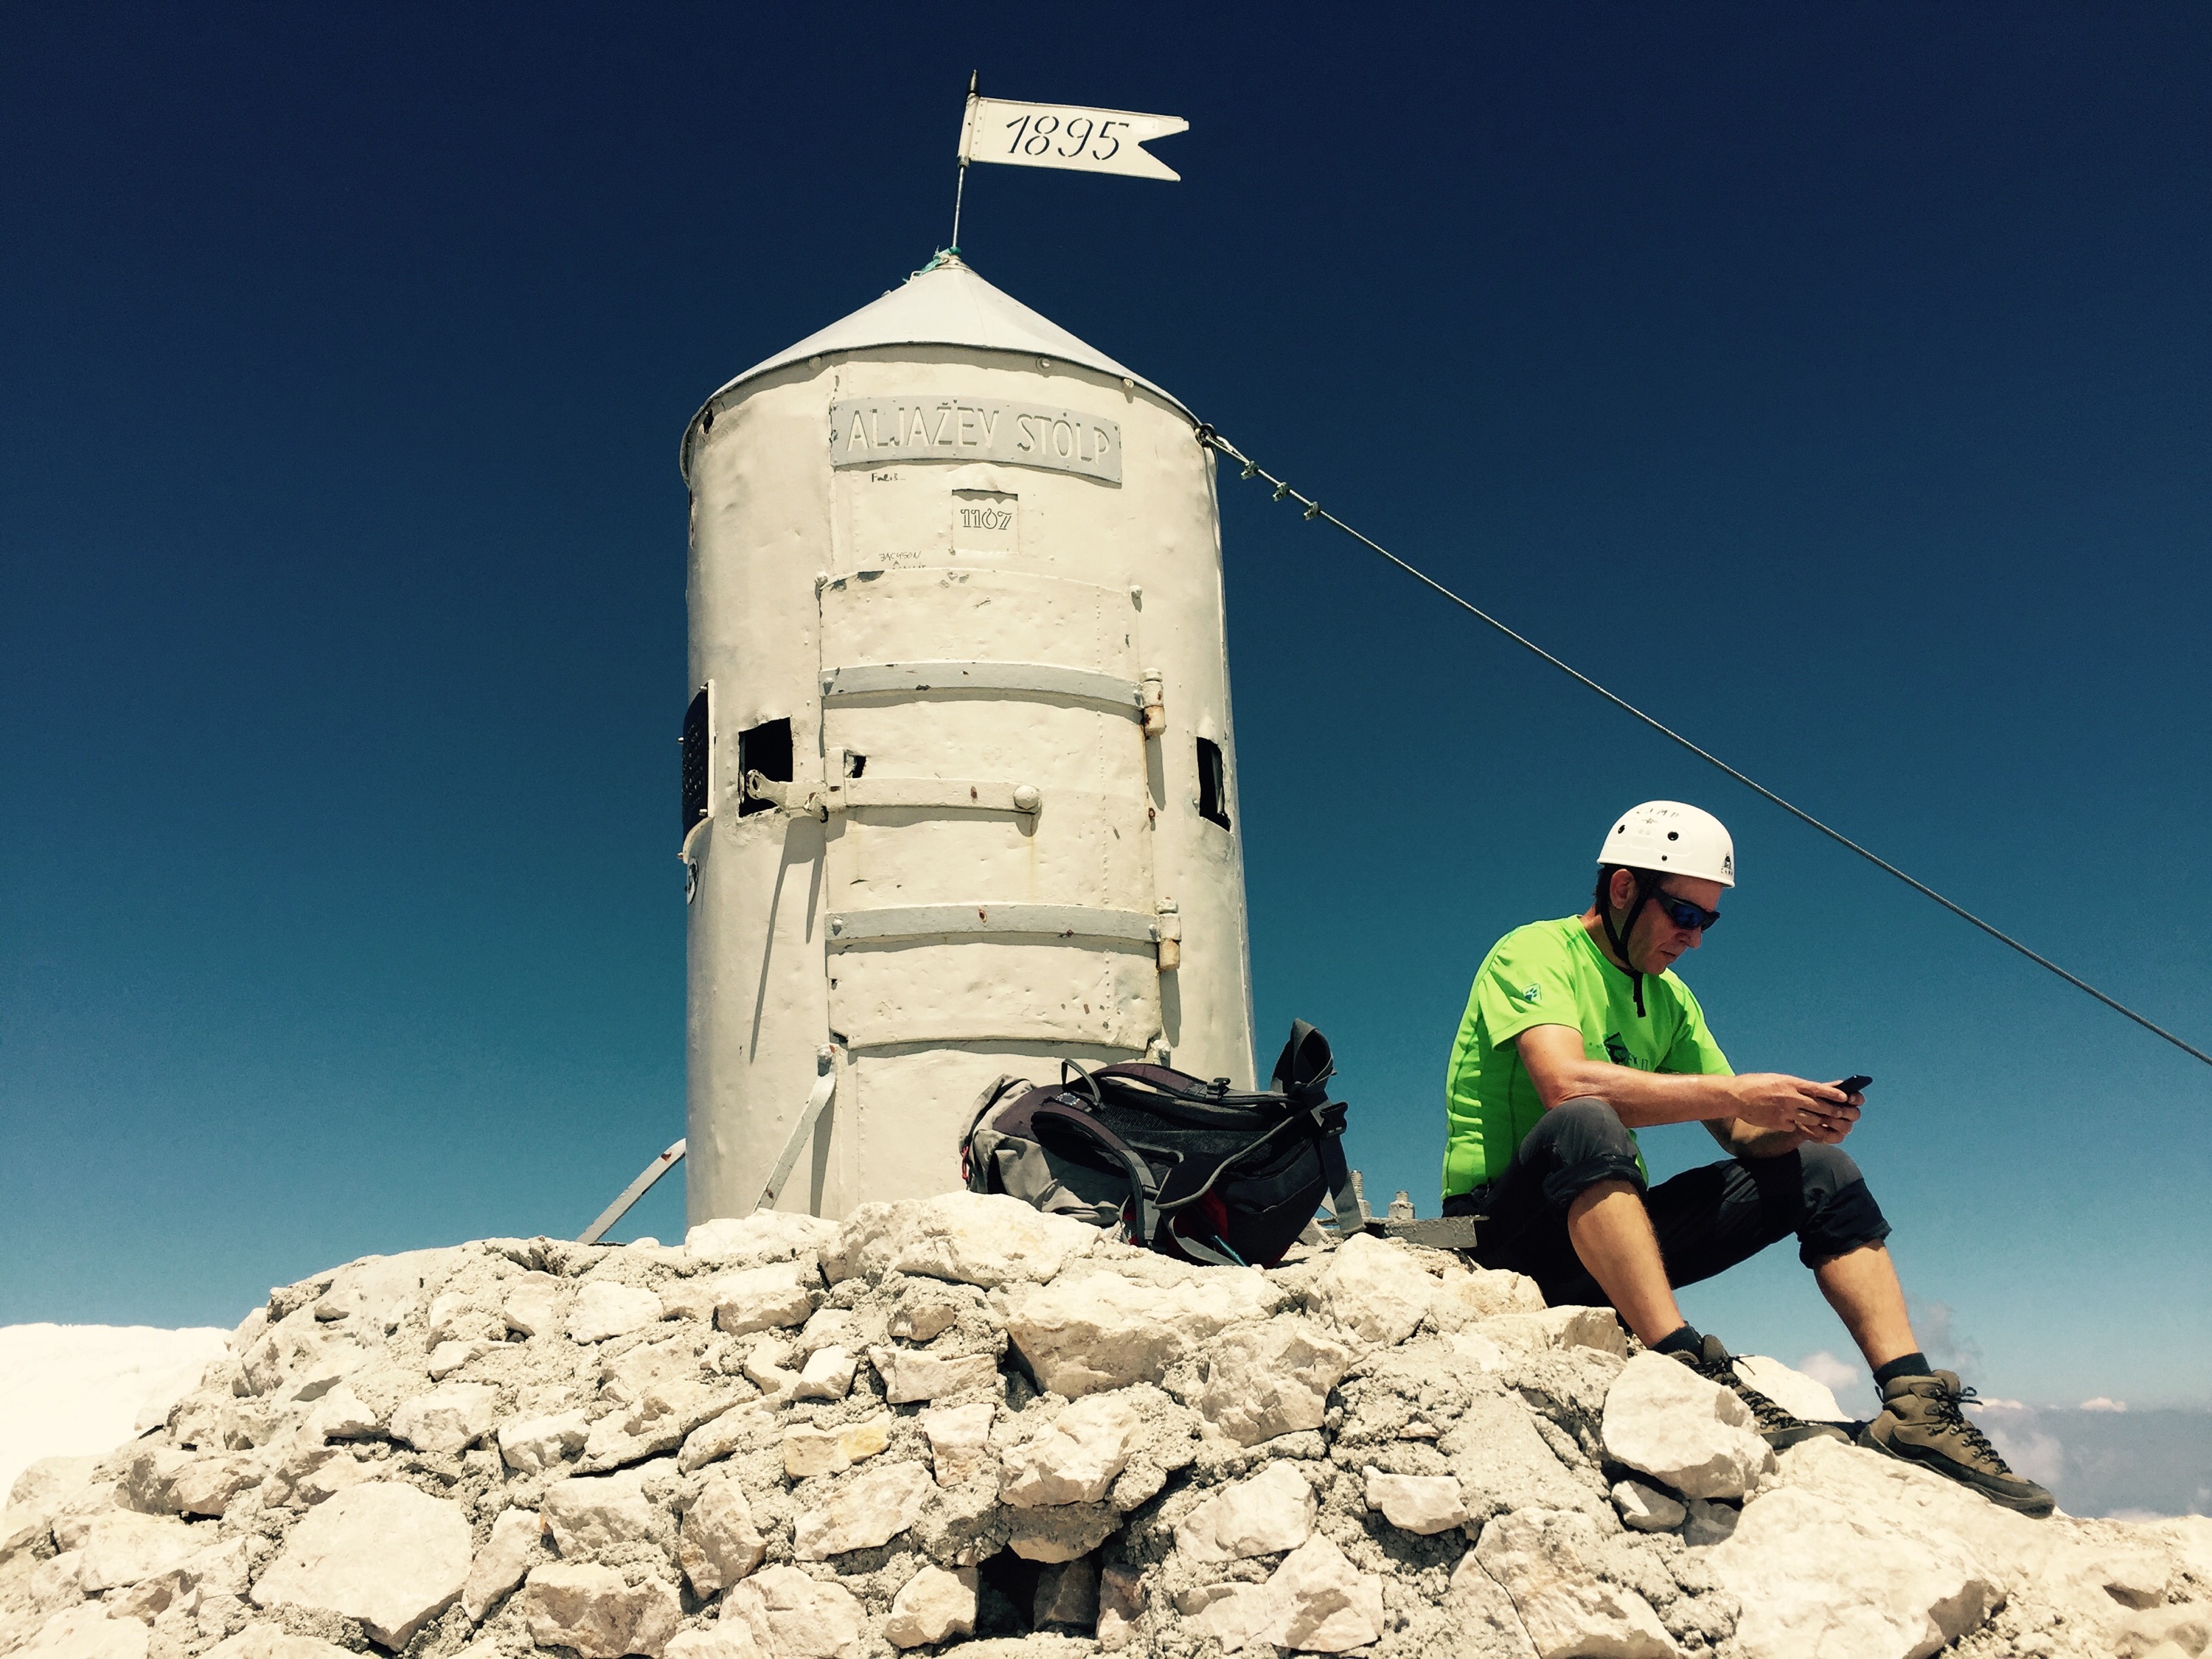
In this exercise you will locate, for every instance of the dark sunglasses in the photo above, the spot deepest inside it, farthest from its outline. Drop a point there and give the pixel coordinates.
(1683, 914)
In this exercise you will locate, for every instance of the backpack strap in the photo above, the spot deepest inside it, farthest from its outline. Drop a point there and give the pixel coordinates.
(1052, 1118)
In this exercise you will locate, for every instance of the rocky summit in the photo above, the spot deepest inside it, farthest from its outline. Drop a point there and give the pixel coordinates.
(957, 1423)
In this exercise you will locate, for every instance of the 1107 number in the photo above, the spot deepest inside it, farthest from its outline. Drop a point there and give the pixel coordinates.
(1034, 136)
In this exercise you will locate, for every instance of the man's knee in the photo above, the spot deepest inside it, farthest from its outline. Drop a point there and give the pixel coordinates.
(1840, 1215)
(1578, 1144)
(1582, 1126)
(1825, 1171)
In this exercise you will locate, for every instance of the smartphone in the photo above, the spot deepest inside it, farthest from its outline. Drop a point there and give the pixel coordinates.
(1853, 1086)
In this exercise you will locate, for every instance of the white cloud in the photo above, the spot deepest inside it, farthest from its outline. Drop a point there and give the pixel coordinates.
(2032, 1452)
(1846, 1379)
(1942, 1341)
(2101, 1403)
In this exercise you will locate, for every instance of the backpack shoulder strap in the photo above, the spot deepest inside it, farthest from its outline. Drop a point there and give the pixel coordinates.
(1052, 1120)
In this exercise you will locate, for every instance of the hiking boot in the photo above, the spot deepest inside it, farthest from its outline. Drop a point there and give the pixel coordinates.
(1776, 1427)
(1921, 1423)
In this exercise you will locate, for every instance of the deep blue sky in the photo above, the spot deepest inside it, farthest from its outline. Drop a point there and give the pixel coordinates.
(1834, 381)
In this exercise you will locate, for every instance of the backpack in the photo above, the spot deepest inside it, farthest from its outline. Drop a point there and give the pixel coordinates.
(1184, 1166)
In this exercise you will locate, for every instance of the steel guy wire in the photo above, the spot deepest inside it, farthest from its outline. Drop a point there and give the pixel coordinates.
(1312, 509)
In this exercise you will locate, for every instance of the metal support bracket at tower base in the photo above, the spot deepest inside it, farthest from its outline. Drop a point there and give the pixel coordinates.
(803, 1131)
(630, 1195)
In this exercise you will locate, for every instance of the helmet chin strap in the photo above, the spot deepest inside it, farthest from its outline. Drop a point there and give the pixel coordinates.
(1619, 940)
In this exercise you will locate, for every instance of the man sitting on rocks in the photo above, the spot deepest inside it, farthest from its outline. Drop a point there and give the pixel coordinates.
(1576, 1034)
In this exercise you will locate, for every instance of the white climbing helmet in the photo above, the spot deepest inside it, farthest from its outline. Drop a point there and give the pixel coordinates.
(1674, 839)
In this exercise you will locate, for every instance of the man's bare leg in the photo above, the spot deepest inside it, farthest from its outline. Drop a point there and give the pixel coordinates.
(1611, 1233)
(1862, 1286)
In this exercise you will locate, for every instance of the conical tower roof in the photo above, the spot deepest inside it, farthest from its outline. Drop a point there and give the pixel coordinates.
(945, 303)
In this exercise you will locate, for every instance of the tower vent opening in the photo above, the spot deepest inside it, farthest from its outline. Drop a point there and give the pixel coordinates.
(696, 733)
(765, 749)
(1212, 784)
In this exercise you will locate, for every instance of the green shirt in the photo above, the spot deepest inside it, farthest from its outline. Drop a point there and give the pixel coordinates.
(1551, 973)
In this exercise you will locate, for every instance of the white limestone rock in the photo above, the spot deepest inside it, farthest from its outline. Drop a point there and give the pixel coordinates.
(530, 1445)
(1423, 1504)
(1662, 1419)
(828, 1375)
(808, 1450)
(593, 1610)
(1075, 1457)
(533, 1306)
(1087, 1332)
(54, 1582)
(1818, 1581)
(384, 1554)
(371, 1296)
(1644, 1509)
(122, 1547)
(457, 1316)
(765, 1236)
(925, 1312)
(719, 1544)
(604, 1309)
(972, 1238)
(1315, 1601)
(909, 1374)
(959, 1440)
(764, 1298)
(1463, 1295)
(1373, 1289)
(341, 1415)
(1540, 1557)
(1794, 1392)
(588, 1514)
(149, 1479)
(206, 1485)
(781, 1613)
(1271, 1378)
(932, 1607)
(738, 1428)
(1484, 1614)
(516, 1544)
(1063, 1532)
(658, 1422)
(86, 1631)
(1272, 1510)
(869, 1509)
(865, 1242)
(1566, 1327)
(450, 1418)
(450, 1356)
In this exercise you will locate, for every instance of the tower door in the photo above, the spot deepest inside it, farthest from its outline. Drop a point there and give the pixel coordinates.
(989, 893)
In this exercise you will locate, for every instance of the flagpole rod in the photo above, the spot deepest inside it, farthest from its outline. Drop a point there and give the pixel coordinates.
(967, 132)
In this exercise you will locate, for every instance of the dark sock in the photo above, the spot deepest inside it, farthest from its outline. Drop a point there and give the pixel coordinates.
(1685, 1340)
(1912, 1364)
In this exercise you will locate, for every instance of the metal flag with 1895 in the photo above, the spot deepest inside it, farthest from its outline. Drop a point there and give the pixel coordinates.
(1071, 135)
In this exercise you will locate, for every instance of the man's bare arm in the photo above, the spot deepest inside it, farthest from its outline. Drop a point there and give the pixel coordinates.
(1758, 1114)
